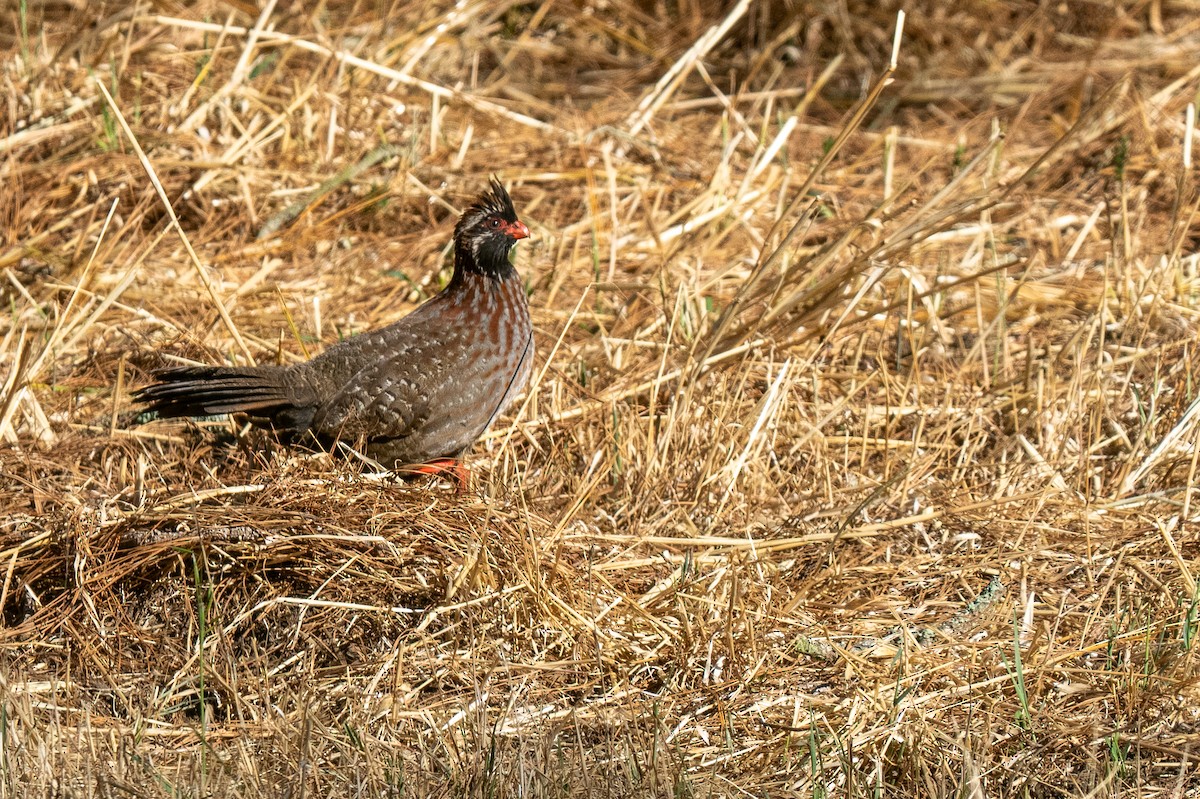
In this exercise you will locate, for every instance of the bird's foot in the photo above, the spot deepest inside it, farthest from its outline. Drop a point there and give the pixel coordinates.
(453, 470)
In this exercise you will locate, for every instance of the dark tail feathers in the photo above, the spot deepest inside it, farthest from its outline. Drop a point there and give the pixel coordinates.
(213, 390)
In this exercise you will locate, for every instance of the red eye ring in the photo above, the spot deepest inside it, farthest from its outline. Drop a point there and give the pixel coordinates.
(494, 223)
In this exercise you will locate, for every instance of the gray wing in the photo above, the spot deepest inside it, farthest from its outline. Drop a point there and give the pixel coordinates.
(380, 383)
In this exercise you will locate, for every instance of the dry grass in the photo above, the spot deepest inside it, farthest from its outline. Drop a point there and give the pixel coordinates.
(861, 477)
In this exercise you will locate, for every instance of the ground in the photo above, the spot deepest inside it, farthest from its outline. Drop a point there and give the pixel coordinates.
(857, 460)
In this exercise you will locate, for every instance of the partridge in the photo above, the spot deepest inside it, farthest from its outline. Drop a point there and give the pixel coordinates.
(414, 395)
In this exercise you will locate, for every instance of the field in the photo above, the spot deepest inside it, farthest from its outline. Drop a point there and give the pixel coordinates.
(858, 459)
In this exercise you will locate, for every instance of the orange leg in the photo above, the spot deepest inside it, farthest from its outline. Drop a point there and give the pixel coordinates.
(452, 469)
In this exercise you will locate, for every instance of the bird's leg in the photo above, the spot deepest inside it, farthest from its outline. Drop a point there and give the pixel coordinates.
(451, 468)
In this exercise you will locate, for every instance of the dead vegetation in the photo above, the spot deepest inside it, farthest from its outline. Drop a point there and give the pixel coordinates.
(858, 460)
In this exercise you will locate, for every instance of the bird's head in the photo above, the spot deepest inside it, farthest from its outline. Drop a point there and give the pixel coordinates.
(486, 233)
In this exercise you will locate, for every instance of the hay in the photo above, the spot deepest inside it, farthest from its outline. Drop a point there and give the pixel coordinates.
(860, 475)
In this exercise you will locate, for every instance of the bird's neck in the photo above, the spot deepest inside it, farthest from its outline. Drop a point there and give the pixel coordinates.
(479, 295)
(481, 262)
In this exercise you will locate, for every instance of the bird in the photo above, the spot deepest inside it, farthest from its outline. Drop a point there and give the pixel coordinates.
(415, 395)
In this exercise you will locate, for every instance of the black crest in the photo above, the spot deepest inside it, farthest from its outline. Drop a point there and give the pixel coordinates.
(496, 202)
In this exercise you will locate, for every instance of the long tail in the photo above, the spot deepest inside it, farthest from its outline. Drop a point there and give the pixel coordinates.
(212, 390)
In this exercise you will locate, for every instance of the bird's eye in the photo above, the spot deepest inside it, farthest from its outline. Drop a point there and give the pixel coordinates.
(493, 223)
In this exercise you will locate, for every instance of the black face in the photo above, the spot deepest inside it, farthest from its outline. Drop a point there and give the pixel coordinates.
(486, 233)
